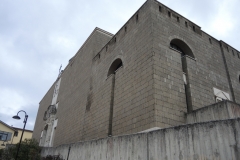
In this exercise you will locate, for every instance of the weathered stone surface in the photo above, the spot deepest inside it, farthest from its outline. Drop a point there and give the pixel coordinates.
(218, 111)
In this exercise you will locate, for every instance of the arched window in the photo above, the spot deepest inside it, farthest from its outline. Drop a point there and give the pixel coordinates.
(182, 47)
(112, 70)
(115, 66)
(174, 46)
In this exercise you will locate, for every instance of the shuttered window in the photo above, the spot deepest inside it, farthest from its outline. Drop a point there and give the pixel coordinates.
(5, 136)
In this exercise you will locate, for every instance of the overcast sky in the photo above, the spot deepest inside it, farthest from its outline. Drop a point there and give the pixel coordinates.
(36, 37)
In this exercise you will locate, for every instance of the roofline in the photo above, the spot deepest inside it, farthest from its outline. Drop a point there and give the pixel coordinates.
(228, 45)
(196, 25)
(114, 35)
(86, 41)
(7, 125)
(22, 129)
(177, 13)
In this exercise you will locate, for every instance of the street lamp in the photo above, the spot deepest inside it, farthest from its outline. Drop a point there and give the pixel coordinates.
(25, 121)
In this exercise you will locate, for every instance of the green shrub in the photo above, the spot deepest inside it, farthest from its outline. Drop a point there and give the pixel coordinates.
(29, 150)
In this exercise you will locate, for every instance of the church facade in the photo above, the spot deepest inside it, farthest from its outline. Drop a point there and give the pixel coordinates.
(157, 68)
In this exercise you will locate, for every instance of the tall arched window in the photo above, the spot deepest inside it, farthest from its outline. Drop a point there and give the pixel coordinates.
(115, 66)
(112, 70)
(185, 51)
(182, 47)
(174, 46)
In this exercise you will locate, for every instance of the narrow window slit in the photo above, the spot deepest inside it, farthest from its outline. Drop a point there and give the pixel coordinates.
(169, 14)
(210, 40)
(160, 8)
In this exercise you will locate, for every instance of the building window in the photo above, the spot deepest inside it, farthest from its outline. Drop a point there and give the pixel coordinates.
(137, 18)
(194, 29)
(238, 55)
(233, 53)
(160, 8)
(176, 48)
(227, 49)
(5, 136)
(178, 19)
(185, 52)
(15, 133)
(181, 47)
(169, 14)
(186, 24)
(125, 28)
(115, 66)
(210, 40)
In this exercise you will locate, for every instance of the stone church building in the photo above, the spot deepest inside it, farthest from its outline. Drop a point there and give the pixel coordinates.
(158, 70)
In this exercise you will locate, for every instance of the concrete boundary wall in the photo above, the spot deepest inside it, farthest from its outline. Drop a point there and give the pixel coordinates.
(208, 140)
(217, 111)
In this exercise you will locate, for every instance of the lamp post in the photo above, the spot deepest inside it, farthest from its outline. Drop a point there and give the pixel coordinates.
(25, 121)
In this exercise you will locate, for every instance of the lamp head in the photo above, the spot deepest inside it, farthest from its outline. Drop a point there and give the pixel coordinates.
(16, 117)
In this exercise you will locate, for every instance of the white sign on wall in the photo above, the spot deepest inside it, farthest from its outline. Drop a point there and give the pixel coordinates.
(221, 95)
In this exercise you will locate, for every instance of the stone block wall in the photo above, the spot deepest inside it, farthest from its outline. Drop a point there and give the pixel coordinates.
(205, 70)
(74, 89)
(133, 106)
(232, 57)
